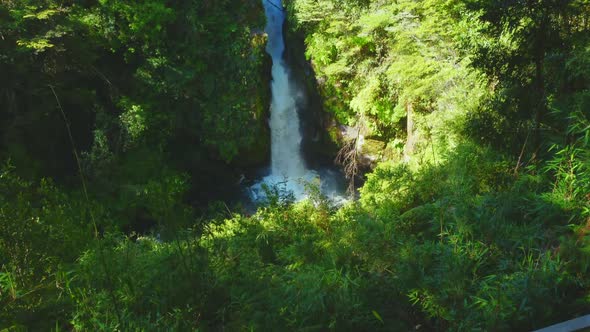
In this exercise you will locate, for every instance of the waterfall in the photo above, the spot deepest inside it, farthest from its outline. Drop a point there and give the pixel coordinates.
(288, 171)
(286, 159)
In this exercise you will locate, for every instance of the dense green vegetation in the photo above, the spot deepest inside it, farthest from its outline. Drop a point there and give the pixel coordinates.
(117, 116)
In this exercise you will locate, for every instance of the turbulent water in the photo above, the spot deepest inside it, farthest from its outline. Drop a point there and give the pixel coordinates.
(288, 170)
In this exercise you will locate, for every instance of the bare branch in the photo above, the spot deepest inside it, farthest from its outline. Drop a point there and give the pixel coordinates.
(348, 157)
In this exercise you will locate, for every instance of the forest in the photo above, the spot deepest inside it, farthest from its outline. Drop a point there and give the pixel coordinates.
(126, 128)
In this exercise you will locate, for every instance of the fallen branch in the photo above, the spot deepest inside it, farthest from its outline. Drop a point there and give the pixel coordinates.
(521, 154)
(348, 157)
(274, 5)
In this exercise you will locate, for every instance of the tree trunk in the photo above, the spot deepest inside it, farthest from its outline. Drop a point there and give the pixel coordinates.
(411, 140)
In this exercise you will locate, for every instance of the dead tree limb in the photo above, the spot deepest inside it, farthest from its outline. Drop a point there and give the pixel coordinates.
(274, 5)
(348, 157)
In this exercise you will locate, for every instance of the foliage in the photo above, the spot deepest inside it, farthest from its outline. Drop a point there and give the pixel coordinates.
(144, 75)
(118, 115)
(42, 232)
(377, 61)
(467, 248)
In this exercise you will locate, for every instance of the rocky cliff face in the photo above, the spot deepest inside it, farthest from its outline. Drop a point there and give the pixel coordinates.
(321, 136)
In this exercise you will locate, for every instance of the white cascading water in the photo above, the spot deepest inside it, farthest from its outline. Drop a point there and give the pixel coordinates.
(288, 170)
(286, 159)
